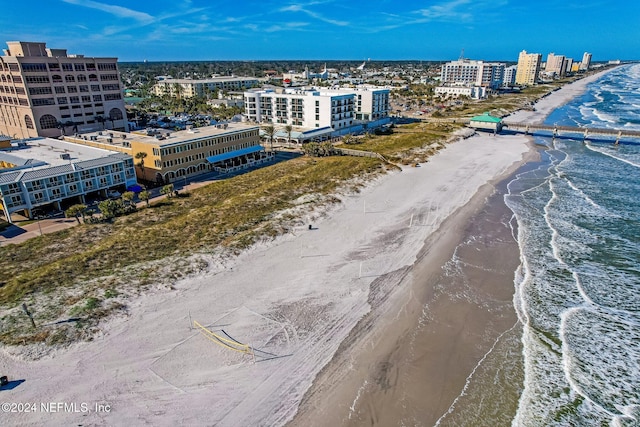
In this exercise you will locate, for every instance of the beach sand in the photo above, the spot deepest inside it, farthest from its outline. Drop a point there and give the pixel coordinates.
(341, 300)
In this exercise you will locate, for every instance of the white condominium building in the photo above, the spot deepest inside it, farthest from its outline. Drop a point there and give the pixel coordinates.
(528, 68)
(339, 109)
(586, 61)
(509, 78)
(188, 88)
(304, 108)
(472, 73)
(46, 92)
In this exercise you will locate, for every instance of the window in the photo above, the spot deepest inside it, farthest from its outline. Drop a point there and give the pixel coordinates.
(28, 122)
(111, 87)
(79, 67)
(62, 100)
(74, 99)
(60, 89)
(69, 78)
(39, 90)
(36, 79)
(86, 98)
(56, 78)
(73, 188)
(108, 77)
(90, 67)
(106, 66)
(112, 96)
(34, 68)
(83, 88)
(72, 89)
(82, 78)
(95, 88)
(54, 66)
(97, 98)
(43, 101)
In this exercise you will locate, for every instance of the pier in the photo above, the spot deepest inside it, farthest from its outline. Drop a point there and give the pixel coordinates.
(584, 132)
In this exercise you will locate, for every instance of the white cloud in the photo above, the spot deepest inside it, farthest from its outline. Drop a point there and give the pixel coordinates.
(302, 9)
(119, 11)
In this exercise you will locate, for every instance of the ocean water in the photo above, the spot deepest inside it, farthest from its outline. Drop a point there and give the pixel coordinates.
(578, 286)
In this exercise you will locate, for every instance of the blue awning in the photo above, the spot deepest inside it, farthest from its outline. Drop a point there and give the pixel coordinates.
(232, 154)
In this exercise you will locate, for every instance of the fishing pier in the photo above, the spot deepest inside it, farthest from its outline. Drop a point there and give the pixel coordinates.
(584, 132)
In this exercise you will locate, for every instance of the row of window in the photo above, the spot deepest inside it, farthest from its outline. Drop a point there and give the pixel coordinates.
(8, 78)
(41, 67)
(202, 156)
(205, 143)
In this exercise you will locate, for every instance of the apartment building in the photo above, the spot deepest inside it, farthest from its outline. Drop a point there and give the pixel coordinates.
(47, 92)
(188, 88)
(509, 78)
(305, 108)
(586, 61)
(528, 68)
(171, 156)
(53, 174)
(466, 72)
(556, 64)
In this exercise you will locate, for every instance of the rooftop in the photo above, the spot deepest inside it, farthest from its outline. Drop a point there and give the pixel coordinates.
(48, 151)
(486, 118)
(164, 137)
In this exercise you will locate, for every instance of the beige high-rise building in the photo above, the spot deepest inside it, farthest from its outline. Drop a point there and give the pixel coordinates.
(556, 64)
(46, 92)
(528, 68)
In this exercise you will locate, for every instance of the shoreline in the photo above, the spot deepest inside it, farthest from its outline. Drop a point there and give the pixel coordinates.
(297, 298)
(335, 399)
(375, 396)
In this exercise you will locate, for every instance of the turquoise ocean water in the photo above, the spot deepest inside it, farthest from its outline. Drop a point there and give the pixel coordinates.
(578, 287)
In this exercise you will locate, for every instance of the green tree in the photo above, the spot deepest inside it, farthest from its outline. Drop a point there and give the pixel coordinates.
(145, 196)
(127, 197)
(288, 129)
(269, 131)
(140, 156)
(76, 211)
(167, 190)
(111, 208)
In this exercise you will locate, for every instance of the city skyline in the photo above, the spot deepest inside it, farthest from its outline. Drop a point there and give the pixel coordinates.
(194, 30)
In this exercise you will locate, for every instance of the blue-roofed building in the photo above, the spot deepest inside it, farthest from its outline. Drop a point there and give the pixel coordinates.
(51, 175)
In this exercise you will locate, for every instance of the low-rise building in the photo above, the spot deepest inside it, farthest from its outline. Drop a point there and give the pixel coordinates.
(163, 156)
(54, 174)
(473, 92)
(188, 88)
(486, 122)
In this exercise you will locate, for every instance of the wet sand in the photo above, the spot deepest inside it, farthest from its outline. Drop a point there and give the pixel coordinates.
(445, 349)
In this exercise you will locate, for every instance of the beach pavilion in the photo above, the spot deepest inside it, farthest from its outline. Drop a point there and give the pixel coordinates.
(486, 122)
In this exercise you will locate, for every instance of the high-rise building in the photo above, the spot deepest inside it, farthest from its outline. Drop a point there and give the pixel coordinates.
(46, 92)
(472, 73)
(509, 78)
(556, 64)
(586, 61)
(528, 68)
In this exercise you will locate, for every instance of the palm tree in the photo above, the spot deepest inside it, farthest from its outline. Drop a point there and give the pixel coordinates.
(141, 156)
(269, 130)
(288, 129)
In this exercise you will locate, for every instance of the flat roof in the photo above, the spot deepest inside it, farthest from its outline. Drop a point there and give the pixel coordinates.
(48, 150)
(209, 80)
(171, 137)
(41, 158)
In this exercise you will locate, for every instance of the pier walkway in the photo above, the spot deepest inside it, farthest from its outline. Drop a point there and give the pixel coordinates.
(584, 132)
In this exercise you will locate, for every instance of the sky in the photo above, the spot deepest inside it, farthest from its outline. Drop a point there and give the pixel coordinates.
(201, 30)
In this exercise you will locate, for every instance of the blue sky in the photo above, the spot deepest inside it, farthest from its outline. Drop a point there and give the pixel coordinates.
(182, 30)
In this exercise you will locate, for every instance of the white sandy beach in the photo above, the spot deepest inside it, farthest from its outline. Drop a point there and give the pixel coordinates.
(294, 300)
